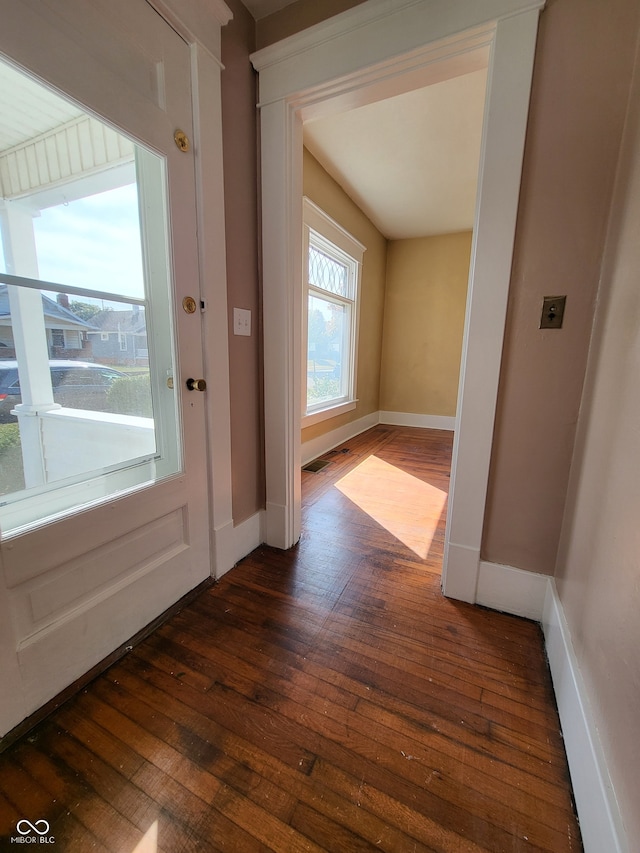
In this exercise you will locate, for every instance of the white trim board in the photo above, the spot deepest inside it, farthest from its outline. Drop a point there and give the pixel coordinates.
(415, 420)
(510, 590)
(323, 443)
(233, 542)
(600, 821)
(248, 535)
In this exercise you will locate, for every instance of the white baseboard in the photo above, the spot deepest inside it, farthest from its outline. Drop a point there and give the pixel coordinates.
(460, 571)
(511, 590)
(248, 535)
(323, 443)
(236, 542)
(423, 421)
(535, 597)
(600, 821)
(223, 549)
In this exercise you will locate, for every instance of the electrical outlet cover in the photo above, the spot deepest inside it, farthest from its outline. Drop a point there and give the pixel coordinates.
(552, 312)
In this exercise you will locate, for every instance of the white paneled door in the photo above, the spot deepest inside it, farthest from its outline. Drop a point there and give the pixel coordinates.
(104, 508)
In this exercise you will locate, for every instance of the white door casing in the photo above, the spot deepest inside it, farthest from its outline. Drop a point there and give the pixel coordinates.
(74, 590)
(373, 51)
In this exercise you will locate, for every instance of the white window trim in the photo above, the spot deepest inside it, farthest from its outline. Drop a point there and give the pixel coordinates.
(331, 411)
(316, 220)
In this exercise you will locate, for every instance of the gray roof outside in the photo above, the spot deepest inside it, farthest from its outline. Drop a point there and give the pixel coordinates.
(50, 308)
(113, 320)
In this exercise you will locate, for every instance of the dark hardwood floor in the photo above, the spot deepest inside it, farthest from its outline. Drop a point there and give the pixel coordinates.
(327, 698)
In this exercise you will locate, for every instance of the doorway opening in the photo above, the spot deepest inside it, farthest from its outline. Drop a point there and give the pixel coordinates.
(398, 177)
(332, 67)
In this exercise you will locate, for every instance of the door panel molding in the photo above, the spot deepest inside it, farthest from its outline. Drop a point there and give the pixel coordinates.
(76, 586)
(50, 660)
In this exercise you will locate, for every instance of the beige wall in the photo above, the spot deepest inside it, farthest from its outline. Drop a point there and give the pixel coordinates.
(413, 298)
(599, 558)
(581, 77)
(241, 222)
(426, 293)
(330, 197)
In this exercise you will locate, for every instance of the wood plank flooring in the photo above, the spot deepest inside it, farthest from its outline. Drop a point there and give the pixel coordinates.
(323, 699)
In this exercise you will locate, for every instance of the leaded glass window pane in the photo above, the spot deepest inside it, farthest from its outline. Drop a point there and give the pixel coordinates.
(327, 273)
(330, 327)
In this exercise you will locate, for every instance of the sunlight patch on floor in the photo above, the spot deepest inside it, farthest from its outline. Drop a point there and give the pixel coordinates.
(149, 841)
(404, 505)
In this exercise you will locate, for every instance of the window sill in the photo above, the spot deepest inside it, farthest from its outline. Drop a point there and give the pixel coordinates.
(329, 412)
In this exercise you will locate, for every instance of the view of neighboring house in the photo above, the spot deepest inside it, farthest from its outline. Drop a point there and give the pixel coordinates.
(119, 337)
(66, 332)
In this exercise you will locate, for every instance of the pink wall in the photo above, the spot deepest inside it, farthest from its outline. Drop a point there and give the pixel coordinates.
(598, 567)
(241, 218)
(298, 16)
(580, 90)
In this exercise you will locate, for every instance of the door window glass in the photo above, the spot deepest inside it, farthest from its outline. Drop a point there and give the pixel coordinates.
(86, 332)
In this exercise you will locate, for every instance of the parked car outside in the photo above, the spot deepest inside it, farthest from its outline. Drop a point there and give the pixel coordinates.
(76, 385)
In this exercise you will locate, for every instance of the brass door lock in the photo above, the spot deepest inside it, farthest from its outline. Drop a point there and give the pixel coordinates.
(182, 140)
(189, 305)
(196, 384)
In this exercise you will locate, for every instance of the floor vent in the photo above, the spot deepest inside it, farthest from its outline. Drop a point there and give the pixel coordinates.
(316, 465)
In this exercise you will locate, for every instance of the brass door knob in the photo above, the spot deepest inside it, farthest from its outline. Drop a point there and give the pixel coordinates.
(196, 384)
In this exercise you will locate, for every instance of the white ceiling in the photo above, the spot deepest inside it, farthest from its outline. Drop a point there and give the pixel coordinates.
(410, 162)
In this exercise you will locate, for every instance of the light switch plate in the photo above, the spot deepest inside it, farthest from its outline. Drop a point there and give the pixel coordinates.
(242, 321)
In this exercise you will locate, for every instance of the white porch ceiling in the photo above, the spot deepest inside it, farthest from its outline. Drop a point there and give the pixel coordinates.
(33, 109)
(46, 141)
(409, 162)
